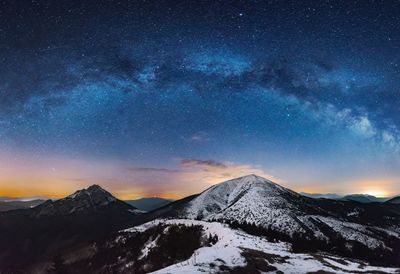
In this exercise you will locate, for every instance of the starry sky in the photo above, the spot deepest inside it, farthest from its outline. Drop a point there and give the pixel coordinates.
(165, 98)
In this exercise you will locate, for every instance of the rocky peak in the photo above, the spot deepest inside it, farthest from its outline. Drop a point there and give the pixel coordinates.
(248, 182)
(90, 199)
(96, 194)
(94, 188)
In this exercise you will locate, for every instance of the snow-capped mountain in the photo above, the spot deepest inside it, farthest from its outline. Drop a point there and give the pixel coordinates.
(263, 203)
(254, 199)
(250, 199)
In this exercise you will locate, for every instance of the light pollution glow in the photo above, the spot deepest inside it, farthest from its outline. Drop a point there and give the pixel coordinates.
(56, 178)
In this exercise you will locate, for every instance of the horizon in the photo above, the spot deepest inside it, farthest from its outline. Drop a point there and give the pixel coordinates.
(38, 197)
(166, 99)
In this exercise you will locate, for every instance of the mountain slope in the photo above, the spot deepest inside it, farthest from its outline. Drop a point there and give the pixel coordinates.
(257, 200)
(190, 246)
(331, 196)
(5, 206)
(364, 198)
(92, 199)
(252, 200)
(148, 204)
(79, 232)
(30, 238)
(249, 199)
(395, 200)
(12, 205)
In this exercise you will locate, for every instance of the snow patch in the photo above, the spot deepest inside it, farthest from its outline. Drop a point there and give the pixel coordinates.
(231, 244)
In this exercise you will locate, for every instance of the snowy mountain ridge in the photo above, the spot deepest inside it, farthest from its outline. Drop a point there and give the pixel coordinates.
(236, 249)
(254, 200)
(96, 195)
(250, 198)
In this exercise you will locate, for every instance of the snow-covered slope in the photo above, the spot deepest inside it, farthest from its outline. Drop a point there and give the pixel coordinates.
(255, 200)
(249, 199)
(237, 250)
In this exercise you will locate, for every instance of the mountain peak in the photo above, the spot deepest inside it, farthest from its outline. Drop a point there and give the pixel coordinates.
(251, 176)
(240, 197)
(93, 188)
(255, 180)
(247, 178)
(93, 191)
(92, 199)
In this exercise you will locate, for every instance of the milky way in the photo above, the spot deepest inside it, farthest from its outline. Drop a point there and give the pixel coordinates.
(164, 97)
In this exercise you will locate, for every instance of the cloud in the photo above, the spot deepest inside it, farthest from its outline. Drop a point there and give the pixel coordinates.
(212, 171)
(150, 169)
(203, 164)
(203, 173)
(190, 176)
(199, 137)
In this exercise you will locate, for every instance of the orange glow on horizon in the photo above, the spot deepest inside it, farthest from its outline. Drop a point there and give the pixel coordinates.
(57, 177)
(59, 190)
(377, 188)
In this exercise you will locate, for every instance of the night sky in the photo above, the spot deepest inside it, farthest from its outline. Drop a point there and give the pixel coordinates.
(168, 97)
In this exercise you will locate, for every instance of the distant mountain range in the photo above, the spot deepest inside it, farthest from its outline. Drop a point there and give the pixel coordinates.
(23, 199)
(395, 200)
(149, 204)
(152, 203)
(12, 205)
(245, 225)
(362, 198)
(143, 204)
(322, 196)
